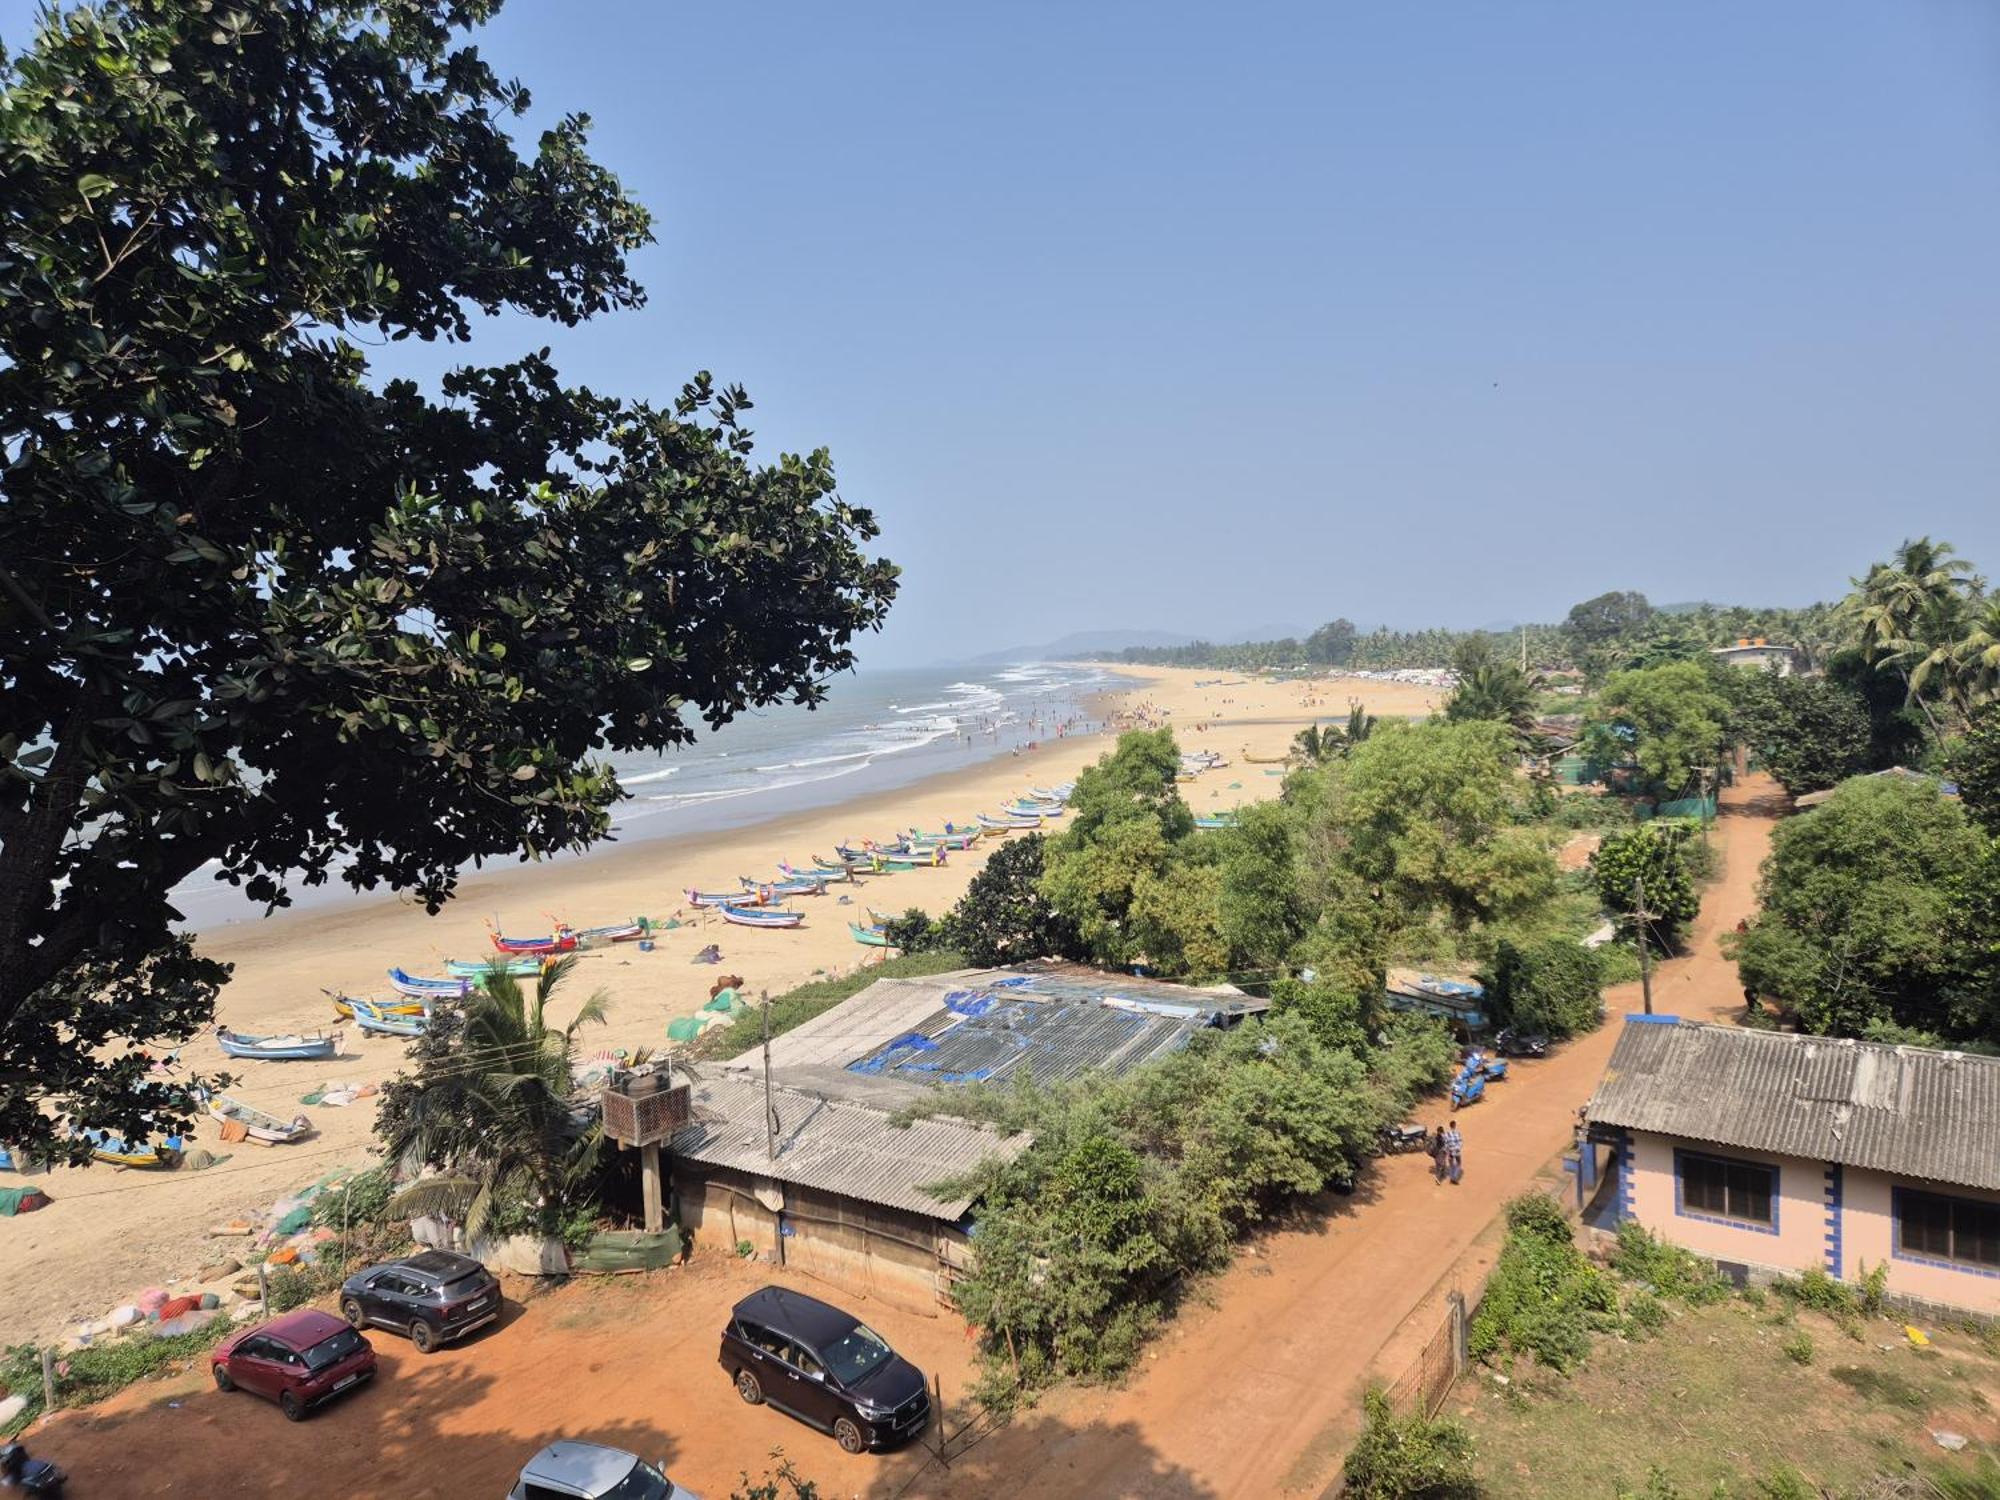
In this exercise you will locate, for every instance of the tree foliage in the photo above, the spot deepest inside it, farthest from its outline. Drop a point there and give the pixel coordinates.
(1492, 688)
(1809, 732)
(1860, 903)
(1609, 617)
(1409, 1458)
(1973, 762)
(1553, 985)
(1656, 853)
(487, 1107)
(1544, 1300)
(258, 610)
(1672, 718)
(1003, 917)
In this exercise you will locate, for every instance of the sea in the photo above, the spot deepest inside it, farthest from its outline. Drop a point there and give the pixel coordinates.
(876, 730)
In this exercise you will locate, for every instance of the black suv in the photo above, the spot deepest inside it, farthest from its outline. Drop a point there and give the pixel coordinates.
(825, 1367)
(434, 1297)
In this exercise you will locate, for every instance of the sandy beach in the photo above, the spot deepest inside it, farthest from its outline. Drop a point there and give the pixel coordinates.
(109, 1232)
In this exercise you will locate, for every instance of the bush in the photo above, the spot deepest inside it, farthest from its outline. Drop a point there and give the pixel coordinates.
(363, 1199)
(1656, 852)
(1798, 1348)
(1544, 1300)
(1786, 1483)
(1667, 1269)
(1409, 1458)
(913, 931)
(1815, 1289)
(1645, 1315)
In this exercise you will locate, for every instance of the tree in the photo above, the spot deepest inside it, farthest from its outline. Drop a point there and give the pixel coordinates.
(1003, 917)
(1973, 762)
(1332, 644)
(1261, 911)
(1673, 717)
(1657, 853)
(1424, 816)
(1976, 659)
(488, 1108)
(1858, 899)
(258, 611)
(1491, 688)
(1554, 986)
(1906, 615)
(1809, 732)
(1608, 617)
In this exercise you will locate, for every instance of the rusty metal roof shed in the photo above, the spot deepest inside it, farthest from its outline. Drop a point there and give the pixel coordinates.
(840, 1146)
(1910, 1111)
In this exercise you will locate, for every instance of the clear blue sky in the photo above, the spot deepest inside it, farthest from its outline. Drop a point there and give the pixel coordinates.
(1201, 317)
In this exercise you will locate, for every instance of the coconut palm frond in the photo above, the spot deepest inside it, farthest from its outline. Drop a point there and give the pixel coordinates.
(436, 1197)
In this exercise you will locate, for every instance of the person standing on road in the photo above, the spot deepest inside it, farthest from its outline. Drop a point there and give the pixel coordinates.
(1454, 1153)
(1434, 1148)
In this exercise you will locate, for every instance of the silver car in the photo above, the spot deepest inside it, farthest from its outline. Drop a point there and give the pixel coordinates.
(591, 1471)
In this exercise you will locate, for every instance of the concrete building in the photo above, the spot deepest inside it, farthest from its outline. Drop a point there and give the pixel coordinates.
(1760, 655)
(1771, 1152)
(837, 1185)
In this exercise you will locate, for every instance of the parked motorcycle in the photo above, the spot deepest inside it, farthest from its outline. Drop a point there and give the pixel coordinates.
(31, 1476)
(1394, 1140)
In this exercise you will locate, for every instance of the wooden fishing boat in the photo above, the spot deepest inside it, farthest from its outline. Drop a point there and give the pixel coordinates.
(617, 932)
(1265, 760)
(897, 863)
(833, 869)
(811, 886)
(560, 941)
(723, 898)
(424, 987)
(1031, 810)
(765, 916)
(963, 838)
(834, 875)
(261, 1126)
(1009, 824)
(869, 937)
(478, 968)
(105, 1146)
(403, 1005)
(292, 1047)
(382, 1023)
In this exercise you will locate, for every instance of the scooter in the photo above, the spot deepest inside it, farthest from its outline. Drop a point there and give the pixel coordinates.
(1467, 1088)
(31, 1476)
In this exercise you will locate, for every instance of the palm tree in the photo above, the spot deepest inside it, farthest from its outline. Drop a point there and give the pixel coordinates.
(1977, 664)
(490, 1108)
(1902, 611)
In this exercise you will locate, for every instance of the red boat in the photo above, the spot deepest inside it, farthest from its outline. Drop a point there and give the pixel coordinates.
(561, 941)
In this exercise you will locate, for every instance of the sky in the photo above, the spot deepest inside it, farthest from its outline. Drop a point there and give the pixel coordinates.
(1204, 317)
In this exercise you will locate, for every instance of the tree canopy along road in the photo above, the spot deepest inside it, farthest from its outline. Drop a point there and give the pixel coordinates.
(1255, 1393)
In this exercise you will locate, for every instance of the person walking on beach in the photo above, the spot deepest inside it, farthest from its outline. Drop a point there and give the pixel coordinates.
(1454, 1153)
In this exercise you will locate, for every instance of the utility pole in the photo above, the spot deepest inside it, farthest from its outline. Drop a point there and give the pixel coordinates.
(1641, 916)
(770, 1111)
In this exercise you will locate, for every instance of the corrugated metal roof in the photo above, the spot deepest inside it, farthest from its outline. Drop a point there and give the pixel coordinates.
(839, 1146)
(1907, 1110)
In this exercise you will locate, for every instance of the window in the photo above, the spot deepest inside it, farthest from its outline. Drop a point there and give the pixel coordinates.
(803, 1359)
(331, 1351)
(855, 1353)
(1960, 1230)
(1743, 1192)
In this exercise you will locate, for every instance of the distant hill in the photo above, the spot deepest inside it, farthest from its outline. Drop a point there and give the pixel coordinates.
(1082, 643)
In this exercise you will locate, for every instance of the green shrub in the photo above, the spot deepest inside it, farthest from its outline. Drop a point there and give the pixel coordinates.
(1786, 1483)
(1645, 1315)
(1552, 985)
(1874, 1287)
(290, 1287)
(1657, 1487)
(1798, 1348)
(1409, 1458)
(1543, 1300)
(1540, 1215)
(364, 1198)
(1667, 1269)
(1814, 1289)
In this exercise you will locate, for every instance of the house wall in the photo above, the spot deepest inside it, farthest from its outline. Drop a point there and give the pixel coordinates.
(903, 1259)
(1869, 1234)
(1652, 1196)
(1842, 1218)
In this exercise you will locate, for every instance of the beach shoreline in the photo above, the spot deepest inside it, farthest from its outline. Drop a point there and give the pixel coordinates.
(108, 1233)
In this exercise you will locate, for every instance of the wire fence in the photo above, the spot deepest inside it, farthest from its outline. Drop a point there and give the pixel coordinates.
(1437, 1365)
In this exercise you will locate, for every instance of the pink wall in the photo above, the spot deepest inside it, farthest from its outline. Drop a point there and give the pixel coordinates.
(1867, 1234)
(1801, 1208)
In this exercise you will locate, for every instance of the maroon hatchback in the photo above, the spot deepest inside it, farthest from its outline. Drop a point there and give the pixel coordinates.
(299, 1360)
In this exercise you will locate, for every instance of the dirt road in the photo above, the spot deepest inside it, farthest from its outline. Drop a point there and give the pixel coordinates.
(1254, 1394)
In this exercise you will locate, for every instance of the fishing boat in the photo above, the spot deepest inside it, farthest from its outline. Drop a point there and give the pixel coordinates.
(401, 1006)
(761, 916)
(423, 987)
(370, 1018)
(261, 1126)
(617, 932)
(1220, 820)
(562, 940)
(900, 862)
(1265, 760)
(722, 898)
(479, 968)
(835, 874)
(878, 918)
(1031, 810)
(832, 867)
(812, 886)
(105, 1146)
(292, 1047)
(1008, 824)
(963, 838)
(869, 937)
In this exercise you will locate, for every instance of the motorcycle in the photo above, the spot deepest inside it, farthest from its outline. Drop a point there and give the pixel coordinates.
(31, 1476)
(1512, 1043)
(1394, 1140)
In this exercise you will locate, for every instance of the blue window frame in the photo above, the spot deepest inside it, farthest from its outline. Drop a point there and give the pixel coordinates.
(1741, 1194)
(1940, 1230)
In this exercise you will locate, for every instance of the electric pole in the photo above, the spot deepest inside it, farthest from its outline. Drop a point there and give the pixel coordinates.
(1641, 917)
(770, 1111)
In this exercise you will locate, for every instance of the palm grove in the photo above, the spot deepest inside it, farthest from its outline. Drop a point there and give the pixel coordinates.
(263, 613)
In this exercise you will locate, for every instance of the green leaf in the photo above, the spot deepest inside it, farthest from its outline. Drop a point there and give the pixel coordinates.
(94, 184)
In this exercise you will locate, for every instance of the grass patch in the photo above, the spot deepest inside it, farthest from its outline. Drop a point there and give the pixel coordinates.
(87, 1375)
(796, 1007)
(1882, 1386)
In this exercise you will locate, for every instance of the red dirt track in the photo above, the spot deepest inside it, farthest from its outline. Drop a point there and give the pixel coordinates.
(1253, 1393)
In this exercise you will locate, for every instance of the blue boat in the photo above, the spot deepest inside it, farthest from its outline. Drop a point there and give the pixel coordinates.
(425, 988)
(761, 916)
(371, 1018)
(479, 968)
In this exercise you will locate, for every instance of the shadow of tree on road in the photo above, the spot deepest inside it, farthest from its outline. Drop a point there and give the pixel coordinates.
(1046, 1455)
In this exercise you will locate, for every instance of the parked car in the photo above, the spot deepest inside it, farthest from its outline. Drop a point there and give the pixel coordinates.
(1512, 1043)
(825, 1367)
(591, 1471)
(434, 1297)
(298, 1361)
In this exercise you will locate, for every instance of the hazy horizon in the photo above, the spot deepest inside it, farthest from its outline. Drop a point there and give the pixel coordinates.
(1178, 318)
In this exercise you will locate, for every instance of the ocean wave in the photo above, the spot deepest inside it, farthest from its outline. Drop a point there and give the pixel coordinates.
(660, 775)
(816, 760)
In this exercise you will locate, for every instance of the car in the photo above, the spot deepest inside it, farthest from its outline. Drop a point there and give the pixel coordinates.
(298, 1360)
(434, 1297)
(590, 1471)
(825, 1367)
